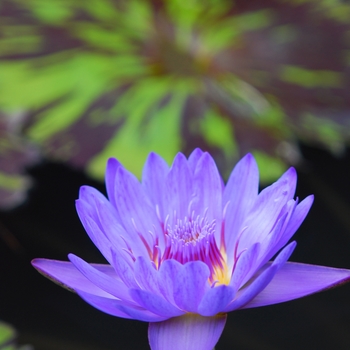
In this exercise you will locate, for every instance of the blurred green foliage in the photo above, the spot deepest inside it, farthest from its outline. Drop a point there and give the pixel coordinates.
(101, 78)
(8, 337)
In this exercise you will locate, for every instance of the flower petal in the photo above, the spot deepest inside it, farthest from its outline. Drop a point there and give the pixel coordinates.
(267, 208)
(93, 230)
(146, 275)
(186, 332)
(118, 308)
(241, 192)
(111, 172)
(190, 285)
(153, 181)
(183, 285)
(137, 214)
(155, 303)
(294, 223)
(246, 294)
(168, 272)
(208, 190)
(244, 266)
(215, 300)
(113, 286)
(103, 304)
(295, 280)
(68, 276)
(124, 270)
(179, 189)
(271, 240)
(194, 158)
(101, 218)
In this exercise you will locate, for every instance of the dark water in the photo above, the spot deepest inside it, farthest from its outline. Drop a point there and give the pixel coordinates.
(51, 318)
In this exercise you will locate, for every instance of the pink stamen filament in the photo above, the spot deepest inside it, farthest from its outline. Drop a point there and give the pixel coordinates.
(192, 239)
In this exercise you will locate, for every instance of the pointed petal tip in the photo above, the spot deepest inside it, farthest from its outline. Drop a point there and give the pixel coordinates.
(85, 191)
(152, 155)
(154, 162)
(52, 269)
(310, 198)
(179, 157)
(72, 257)
(112, 163)
(296, 280)
(37, 262)
(248, 156)
(249, 162)
(82, 191)
(291, 172)
(196, 152)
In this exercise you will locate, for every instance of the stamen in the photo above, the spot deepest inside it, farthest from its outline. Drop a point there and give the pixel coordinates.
(130, 254)
(190, 207)
(193, 239)
(158, 213)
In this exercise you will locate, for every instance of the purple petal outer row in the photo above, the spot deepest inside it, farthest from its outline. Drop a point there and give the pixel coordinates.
(186, 332)
(278, 281)
(296, 280)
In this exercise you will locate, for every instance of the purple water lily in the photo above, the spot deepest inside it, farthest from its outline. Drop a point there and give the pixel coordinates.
(184, 250)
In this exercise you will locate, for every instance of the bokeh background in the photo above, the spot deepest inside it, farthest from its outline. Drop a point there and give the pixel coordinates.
(84, 80)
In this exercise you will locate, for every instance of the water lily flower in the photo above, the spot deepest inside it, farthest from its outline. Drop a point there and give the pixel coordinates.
(183, 249)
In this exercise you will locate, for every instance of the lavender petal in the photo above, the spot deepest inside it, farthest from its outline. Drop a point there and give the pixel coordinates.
(68, 276)
(186, 332)
(240, 193)
(295, 280)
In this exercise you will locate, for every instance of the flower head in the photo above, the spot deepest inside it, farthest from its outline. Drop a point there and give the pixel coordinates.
(184, 249)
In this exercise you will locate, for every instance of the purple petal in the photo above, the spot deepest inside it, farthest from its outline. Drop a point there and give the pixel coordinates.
(146, 275)
(267, 208)
(68, 276)
(118, 308)
(187, 332)
(168, 272)
(111, 172)
(124, 270)
(179, 189)
(89, 195)
(270, 241)
(93, 206)
(244, 266)
(246, 294)
(208, 190)
(190, 285)
(155, 303)
(113, 286)
(194, 158)
(153, 181)
(137, 214)
(141, 314)
(296, 280)
(183, 285)
(120, 240)
(107, 305)
(93, 230)
(215, 300)
(294, 223)
(241, 191)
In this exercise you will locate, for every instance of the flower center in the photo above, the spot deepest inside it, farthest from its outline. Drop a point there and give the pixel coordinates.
(190, 230)
(193, 239)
